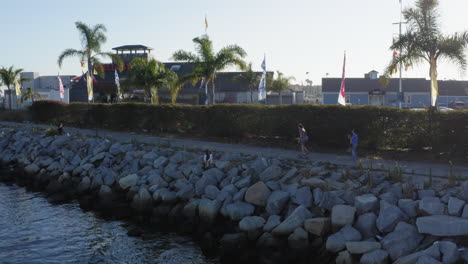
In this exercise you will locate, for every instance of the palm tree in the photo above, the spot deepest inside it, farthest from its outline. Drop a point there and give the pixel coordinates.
(92, 37)
(249, 77)
(29, 95)
(424, 41)
(152, 75)
(280, 84)
(207, 63)
(12, 77)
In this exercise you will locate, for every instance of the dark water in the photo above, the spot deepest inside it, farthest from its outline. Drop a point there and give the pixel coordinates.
(34, 231)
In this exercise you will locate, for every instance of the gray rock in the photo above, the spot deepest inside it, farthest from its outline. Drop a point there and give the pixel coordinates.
(208, 210)
(296, 219)
(251, 223)
(128, 181)
(142, 200)
(465, 211)
(273, 185)
(409, 259)
(211, 192)
(84, 184)
(186, 193)
(442, 225)
(272, 222)
(268, 241)
(365, 224)
(342, 215)
(165, 195)
(191, 208)
(160, 162)
(455, 206)
(244, 182)
(433, 251)
(318, 226)
(318, 196)
(366, 203)
(32, 169)
(389, 216)
(389, 197)
(427, 260)
(299, 239)
(233, 241)
(289, 175)
(239, 210)
(449, 252)
(375, 257)
(425, 193)
(271, 173)
(404, 240)
(431, 206)
(204, 181)
(257, 194)
(276, 202)
(239, 196)
(362, 247)
(314, 183)
(344, 257)
(330, 199)
(259, 165)
(409, 207)
(303, 196)
(337, 241)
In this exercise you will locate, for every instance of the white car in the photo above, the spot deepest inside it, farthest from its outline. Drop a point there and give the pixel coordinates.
(445, 109)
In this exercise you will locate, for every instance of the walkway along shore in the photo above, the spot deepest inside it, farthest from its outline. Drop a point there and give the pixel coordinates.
(268, 208)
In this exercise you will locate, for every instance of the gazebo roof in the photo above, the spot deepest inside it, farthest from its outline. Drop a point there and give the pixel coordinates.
(132, 47)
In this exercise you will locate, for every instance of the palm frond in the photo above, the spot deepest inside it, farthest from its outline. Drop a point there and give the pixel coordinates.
(182, 55)
(69, 53)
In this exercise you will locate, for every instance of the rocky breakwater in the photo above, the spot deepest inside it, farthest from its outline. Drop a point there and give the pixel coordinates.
(248, 207)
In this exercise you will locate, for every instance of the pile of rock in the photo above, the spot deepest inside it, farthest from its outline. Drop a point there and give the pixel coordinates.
(356, 215)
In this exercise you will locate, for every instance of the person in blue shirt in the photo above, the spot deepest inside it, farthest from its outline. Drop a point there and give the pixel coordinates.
(354, 142)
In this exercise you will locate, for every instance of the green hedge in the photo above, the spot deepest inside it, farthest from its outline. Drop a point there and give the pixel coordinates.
(327, 125)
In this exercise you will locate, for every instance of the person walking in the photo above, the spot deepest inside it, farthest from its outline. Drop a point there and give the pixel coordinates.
(207, 159)
(354, 143)
(303, 138)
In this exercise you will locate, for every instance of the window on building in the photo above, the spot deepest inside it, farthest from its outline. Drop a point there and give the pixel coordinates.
(175, 67)
(408, 99)
(348, 99)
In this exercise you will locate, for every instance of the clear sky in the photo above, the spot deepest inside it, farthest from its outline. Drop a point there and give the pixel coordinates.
(297, 36)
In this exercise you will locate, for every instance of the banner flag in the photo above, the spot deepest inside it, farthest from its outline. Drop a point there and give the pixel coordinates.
(117, 83)
(342, 95)
(89, 84)
(262, 85)
(60, 84)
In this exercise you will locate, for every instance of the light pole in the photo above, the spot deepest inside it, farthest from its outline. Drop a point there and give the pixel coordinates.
(400, 88)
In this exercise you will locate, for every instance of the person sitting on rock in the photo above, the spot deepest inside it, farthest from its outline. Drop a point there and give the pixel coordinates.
(207, 159)
(60, 128)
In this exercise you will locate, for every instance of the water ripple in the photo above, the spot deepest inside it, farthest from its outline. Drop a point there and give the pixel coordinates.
(34, 231)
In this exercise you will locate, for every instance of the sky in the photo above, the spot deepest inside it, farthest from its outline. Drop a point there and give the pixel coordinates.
(296, 36)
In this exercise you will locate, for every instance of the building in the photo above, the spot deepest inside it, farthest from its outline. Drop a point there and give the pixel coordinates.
(371, 90)
(46, 86)
(227, 89)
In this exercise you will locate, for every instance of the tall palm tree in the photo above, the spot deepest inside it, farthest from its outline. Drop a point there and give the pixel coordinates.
(424, 41)
(12, 77)
(249, 77)
(29, 95)
(280, 84)
(151, 75)
(207, 63)
(92, 37)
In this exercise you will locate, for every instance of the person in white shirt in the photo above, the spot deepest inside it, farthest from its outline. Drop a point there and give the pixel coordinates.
(207, 159)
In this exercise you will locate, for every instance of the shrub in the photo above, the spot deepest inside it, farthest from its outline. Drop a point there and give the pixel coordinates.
(327, 125)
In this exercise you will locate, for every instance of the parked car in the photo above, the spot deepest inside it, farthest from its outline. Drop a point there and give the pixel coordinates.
(445, 109)
(457, 105)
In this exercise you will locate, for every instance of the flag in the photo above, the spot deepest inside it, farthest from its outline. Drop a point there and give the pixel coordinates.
(117, 83)
(89, 84)
(82, 64)
(17, 87)
(206, 23)
(262, 84)
(342, 95)
(60, 84)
